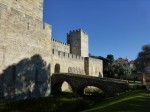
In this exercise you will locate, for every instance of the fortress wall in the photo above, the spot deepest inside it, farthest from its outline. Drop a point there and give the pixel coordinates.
(74, 39)
(84, 44)
(71, 63)
(22, 37)
(64, 55)
(30, 7)
(26, 55)
(60, 46)
(93, 67)
(78, 40)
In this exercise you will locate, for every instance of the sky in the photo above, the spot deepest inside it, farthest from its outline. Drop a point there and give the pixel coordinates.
(118, 27)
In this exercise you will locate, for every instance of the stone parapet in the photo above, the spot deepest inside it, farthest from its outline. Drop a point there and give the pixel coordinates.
(64, 55)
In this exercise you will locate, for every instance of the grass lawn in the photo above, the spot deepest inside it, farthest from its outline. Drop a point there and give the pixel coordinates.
(64, 102)
(135, 83)
(133, 101)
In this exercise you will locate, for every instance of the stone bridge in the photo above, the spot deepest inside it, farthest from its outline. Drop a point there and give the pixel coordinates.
(79, 82)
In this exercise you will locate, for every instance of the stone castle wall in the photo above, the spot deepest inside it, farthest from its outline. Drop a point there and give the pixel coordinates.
(78, 40)
(22, 36)
(60, 46)
(28, 55)
(33, 8)
(73, 38)
(25, 47)
(84, 44)
(93, 67)
(69, 63)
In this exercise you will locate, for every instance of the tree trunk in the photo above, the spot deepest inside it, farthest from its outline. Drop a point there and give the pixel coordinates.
(143, 79)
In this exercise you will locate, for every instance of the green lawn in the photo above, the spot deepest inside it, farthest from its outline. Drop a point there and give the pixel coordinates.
(135, 83)
(133, 101)
(64, 102)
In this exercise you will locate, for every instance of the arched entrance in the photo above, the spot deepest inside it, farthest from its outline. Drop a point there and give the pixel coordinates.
(57, 68)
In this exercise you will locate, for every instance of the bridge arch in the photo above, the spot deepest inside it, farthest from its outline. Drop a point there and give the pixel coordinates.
(77, 89)
(92, 90)
(81, 88)
(78, 83)
(66, 87)
(57, 68)
(57, 87)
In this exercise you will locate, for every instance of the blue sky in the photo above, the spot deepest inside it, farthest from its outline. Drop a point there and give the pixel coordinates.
(118, 27)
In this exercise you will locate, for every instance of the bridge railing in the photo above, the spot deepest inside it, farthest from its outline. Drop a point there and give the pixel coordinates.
(93, 77)
(113, 79)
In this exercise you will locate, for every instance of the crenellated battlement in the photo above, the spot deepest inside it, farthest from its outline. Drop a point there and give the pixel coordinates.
(78, 40)
(64, 55)
(60, 46)
(76, 31)
(63, 43)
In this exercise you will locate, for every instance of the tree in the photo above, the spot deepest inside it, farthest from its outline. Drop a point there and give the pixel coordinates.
(110, 58)
(121, 70)
(108, 69)
(143, 59)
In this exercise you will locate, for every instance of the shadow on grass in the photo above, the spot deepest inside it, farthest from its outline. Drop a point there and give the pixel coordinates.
(64, 102)
(134, 101)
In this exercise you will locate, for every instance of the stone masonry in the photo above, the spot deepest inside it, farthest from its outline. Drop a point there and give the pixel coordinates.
(29, 55)
(25, 50)
(78, 83)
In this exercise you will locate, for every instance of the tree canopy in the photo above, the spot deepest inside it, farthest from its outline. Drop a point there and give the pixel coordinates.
(114, 69)
(110, 58)
(143, 59)
(121, 70)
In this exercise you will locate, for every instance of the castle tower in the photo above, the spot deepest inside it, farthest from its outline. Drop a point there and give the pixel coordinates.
(32, 8)
(78, 41)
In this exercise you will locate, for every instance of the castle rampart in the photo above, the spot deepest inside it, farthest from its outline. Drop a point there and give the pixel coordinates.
(24, 50)
(67, 62)
(68, 56)
(93, 67)
(60, 46)
(30, 7)
(78, 40)
(28, 54)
